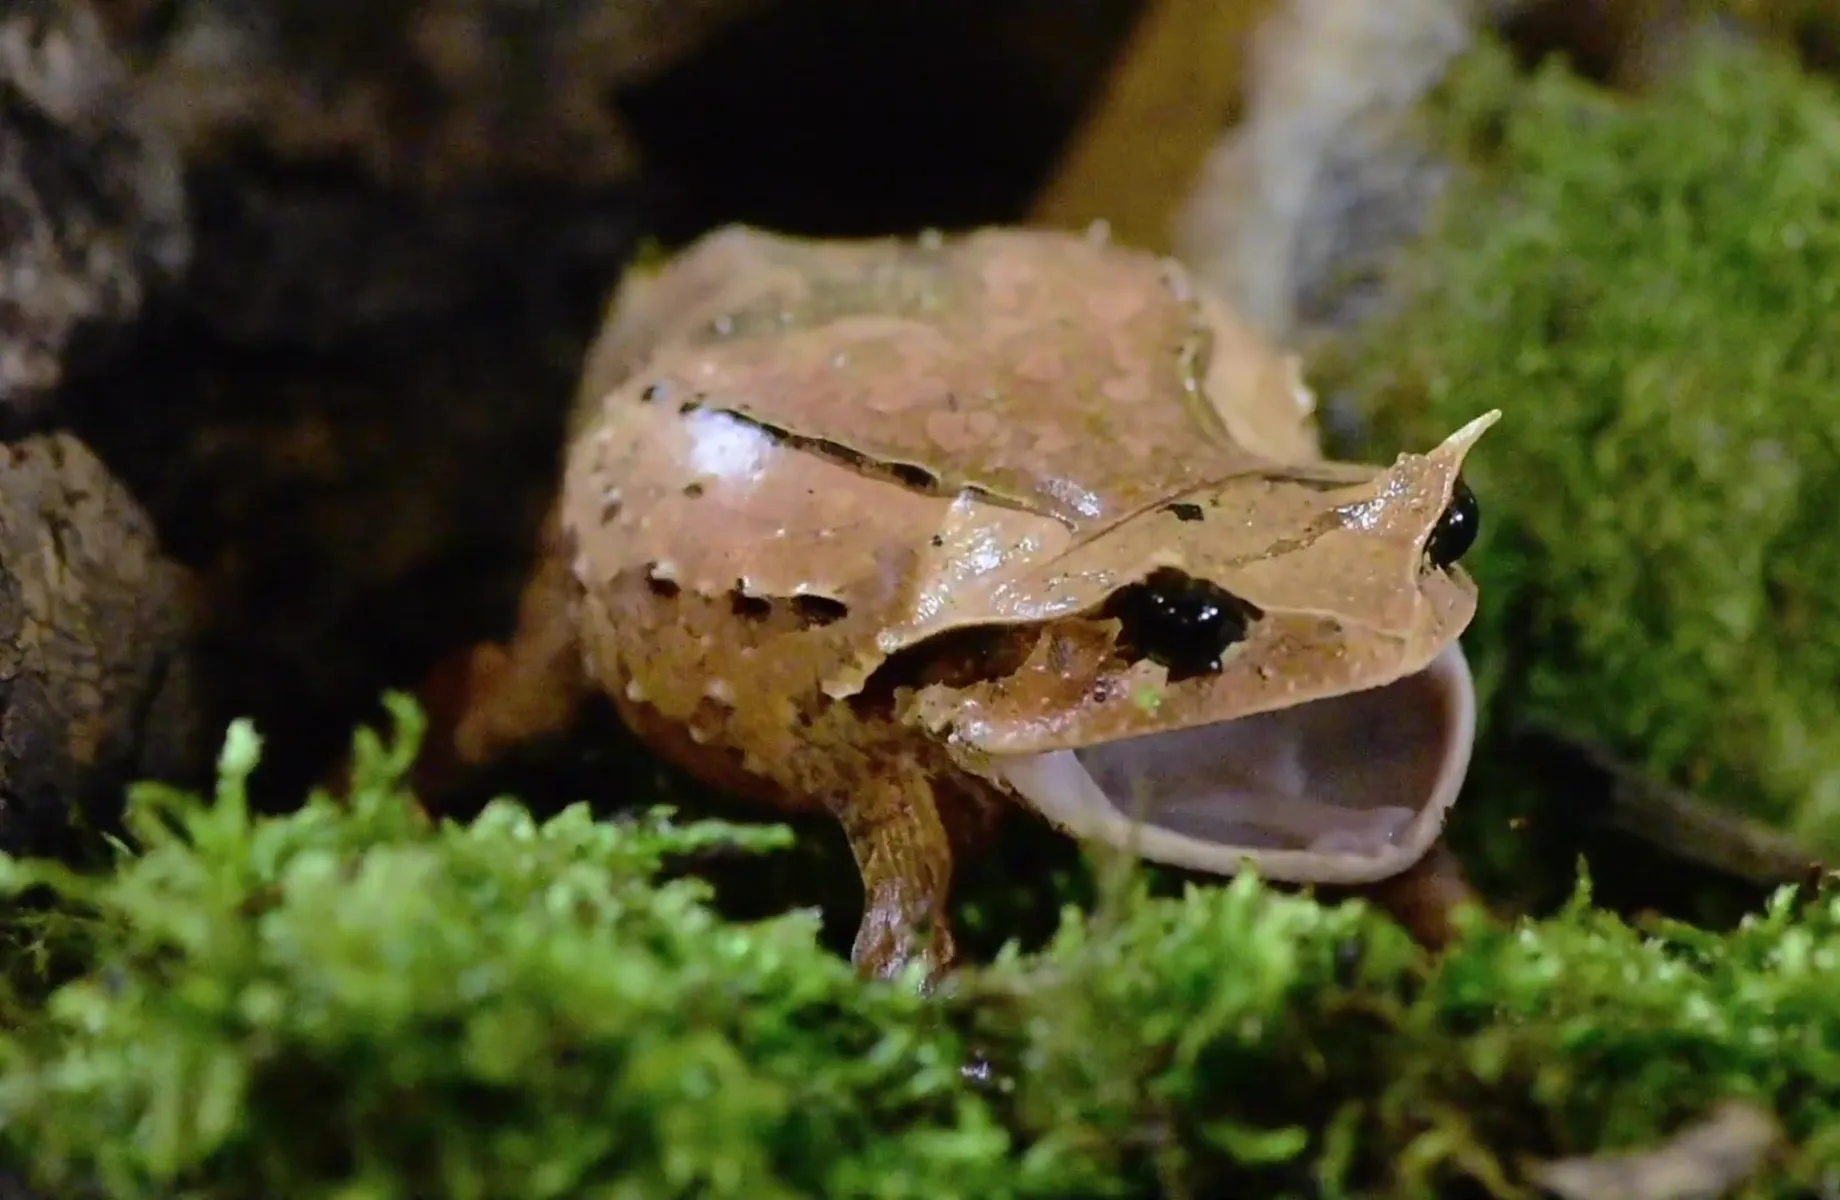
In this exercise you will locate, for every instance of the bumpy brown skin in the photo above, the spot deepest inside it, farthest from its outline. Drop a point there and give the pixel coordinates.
(726, 608)
(905, 827)
(905, 808)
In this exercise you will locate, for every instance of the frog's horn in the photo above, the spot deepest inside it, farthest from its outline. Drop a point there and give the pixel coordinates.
(1457, 446)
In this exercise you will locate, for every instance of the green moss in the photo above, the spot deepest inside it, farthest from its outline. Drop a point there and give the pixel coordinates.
(1650, 290)
(350, 1001)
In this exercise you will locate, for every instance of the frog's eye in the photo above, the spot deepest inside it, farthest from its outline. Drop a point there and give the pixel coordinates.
(1456, 528)
(1179, 622)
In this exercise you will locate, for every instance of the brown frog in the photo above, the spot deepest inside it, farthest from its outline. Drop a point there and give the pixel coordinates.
(915, 531)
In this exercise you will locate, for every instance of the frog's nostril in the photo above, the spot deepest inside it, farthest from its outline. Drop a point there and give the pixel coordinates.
(1180, 622)
(1456, 528)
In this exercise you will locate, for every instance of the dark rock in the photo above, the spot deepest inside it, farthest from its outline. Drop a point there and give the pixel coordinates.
(345, 420)
(342, 263)
(419, 95)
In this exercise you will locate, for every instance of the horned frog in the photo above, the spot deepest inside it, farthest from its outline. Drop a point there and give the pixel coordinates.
(917, 531)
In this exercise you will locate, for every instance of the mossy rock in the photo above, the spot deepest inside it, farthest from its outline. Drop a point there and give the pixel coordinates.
(1648, 288)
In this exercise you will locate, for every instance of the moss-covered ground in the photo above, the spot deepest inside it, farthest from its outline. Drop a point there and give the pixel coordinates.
(352, 1001)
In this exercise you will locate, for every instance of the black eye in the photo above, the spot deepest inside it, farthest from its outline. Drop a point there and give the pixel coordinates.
(1179, 622)
(1456, 528)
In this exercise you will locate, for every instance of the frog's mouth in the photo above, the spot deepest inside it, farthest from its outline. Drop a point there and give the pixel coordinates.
(1348, 789)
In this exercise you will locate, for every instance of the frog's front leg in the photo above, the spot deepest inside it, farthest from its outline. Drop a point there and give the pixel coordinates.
(904, 853)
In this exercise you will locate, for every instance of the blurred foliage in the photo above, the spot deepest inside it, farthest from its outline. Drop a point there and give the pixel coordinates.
(354, 1001)
(1812, 27)
(1648, 289)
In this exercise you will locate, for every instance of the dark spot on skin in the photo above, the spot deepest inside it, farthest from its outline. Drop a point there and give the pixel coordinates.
(936, 541)
(1181, 623)
(1184, 512)
(808, 611)
(690, 406)
(1315, 483)
(693, 490)
(654, 391)
(1456, 528)
(918, 478)
(907, 475)
(609, 510)
(957, 658)
(754, 608)
(819, 610)
(826, 447)
(708, 719)
(664, 589)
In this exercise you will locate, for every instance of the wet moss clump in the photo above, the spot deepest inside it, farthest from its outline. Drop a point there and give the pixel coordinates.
(1649, 288)
(353, 1001)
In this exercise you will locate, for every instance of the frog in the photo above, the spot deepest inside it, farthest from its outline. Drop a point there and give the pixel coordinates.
(922, 532)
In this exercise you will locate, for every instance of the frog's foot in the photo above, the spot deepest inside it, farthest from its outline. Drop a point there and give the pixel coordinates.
(897, 931)
(1425, 898)
(905, 856)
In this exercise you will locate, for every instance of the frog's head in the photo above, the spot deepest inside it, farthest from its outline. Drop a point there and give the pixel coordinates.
(1264, 670)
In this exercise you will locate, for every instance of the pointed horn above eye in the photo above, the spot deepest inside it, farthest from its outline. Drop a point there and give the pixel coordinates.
(1458, 444)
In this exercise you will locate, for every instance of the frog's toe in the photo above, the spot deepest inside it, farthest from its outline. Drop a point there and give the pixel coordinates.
(891, 939)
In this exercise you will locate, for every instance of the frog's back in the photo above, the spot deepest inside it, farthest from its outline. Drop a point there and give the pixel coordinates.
(1052, 371)
(731, 585)
(793, 458)
(775, 435)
